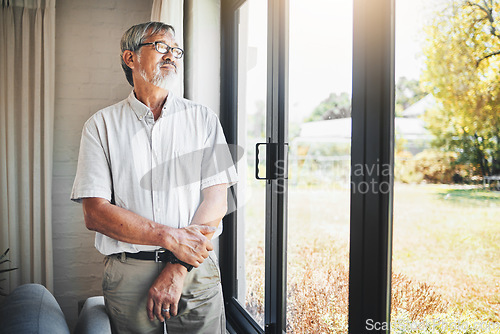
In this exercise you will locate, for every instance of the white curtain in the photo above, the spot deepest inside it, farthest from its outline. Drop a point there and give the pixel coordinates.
(197, 25)
(27, 39)
(202, 30)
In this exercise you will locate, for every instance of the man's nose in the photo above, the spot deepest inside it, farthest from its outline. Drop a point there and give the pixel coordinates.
(169, 55)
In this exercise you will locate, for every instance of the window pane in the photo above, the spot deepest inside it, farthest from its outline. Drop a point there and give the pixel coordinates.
(446, 233)
(320, 66)
(252, 79)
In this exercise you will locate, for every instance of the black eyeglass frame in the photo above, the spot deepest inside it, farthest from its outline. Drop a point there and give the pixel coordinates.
(169, 48)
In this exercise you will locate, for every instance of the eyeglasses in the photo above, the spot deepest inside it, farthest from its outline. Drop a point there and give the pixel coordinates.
(164, 49)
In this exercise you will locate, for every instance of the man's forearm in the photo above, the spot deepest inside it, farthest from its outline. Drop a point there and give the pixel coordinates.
(212, 208)
(124, 225)
(189, 244)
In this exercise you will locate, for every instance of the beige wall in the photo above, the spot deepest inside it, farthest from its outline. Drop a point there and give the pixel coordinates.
(88, 78)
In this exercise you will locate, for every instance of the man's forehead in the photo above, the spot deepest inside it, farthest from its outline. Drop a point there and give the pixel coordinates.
(167, 37)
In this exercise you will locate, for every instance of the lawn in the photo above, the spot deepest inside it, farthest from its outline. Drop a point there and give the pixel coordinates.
(446, 251)
(450, 238)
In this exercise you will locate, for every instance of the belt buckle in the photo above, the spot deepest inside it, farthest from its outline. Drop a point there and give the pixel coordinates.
(157, 254)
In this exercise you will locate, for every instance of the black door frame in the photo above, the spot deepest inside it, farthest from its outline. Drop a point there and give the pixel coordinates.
(276, 189)
(372, 146)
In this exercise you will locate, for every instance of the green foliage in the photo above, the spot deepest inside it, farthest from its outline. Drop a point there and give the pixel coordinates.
(2, 261)
(404, 169)
(333, 107)
(408, 92)
(436, 166)
(431, 166)
(470, 197)
(463, 73)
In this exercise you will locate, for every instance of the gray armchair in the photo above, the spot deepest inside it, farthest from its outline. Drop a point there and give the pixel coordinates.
(93, 317)
(31, 308)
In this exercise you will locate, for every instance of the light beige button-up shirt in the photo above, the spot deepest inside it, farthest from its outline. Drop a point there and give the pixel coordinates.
(155, 169)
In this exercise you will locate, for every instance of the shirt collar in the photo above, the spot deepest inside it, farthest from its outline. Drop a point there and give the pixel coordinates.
(141, 110)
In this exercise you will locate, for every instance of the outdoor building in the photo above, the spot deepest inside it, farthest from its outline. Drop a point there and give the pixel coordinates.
(325, 145)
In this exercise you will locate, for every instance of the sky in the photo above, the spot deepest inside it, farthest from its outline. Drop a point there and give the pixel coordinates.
(320, 55)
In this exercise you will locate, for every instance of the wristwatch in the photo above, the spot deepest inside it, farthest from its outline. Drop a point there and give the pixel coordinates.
(173, 259)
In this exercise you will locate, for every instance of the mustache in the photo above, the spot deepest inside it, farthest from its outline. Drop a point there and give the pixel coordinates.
(167, 62)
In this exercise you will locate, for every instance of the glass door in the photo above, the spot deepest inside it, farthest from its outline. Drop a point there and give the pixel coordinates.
(314, 188)
(320, 77)
(251, 115)
(317, 112)
(253, 256)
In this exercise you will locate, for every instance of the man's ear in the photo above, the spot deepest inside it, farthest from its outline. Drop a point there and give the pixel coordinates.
(128, 58)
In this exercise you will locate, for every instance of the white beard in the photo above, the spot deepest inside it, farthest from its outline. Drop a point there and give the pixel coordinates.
(164, 81)
(167, 82)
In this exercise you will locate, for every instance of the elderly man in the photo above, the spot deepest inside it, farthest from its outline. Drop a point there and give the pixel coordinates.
(153, 172)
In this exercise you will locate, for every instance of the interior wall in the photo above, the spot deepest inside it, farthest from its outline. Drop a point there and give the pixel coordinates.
(88, 78)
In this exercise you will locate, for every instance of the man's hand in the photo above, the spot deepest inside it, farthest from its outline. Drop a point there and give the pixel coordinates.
(191, 245)
(165, 292)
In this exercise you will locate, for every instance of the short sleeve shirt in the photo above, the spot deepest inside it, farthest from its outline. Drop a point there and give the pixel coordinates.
(154, 169)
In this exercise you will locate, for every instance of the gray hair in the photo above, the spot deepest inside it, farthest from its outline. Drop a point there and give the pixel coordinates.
(135, 36)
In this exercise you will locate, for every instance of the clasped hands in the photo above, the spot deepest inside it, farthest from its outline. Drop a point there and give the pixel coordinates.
(191, 245)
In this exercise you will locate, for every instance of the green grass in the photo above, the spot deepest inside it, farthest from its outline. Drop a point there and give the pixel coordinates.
(446, 245)
(450, 238)
(470, 197)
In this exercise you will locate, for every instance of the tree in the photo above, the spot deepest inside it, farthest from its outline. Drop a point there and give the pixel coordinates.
(408, 92)
(462, 72)
(335, 106)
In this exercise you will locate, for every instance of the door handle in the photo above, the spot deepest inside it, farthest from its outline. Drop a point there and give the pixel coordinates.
(276, 168)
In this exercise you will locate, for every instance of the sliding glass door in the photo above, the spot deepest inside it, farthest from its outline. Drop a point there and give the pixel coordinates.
(252, 120)
(307, 94)
(253, 255)
(320, 81)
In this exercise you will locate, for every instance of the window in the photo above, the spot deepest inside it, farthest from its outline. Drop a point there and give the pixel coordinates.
(252, 111)
(371, 147)
(446, 245)
(319, 104)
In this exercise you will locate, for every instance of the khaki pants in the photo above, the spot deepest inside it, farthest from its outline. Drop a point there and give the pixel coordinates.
(125, 286)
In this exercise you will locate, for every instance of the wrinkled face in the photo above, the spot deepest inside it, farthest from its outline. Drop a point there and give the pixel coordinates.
(156, 68)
